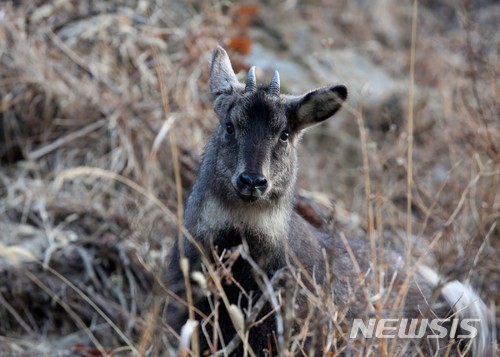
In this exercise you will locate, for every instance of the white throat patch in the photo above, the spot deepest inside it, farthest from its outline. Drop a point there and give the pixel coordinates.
(269, 223)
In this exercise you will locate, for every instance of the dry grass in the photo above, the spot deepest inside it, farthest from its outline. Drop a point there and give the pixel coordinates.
(93, 96)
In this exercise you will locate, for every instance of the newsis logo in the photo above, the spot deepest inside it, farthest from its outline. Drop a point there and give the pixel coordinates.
(414, 328)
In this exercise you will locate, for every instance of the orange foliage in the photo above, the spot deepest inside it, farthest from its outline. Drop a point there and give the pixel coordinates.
(241, 21)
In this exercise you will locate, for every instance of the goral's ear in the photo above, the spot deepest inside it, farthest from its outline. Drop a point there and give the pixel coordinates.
(222, 78)
(316, 106)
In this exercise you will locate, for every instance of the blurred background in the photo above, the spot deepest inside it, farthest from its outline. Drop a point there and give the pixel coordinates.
(100, 99)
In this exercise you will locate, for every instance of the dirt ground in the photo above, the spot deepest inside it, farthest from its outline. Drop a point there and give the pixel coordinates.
(100, 100)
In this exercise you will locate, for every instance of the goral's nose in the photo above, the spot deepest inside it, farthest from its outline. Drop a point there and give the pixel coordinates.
(253, 181)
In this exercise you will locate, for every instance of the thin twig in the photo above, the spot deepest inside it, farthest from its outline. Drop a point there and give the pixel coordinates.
(80, 62)
(411, 100)
(35, 155)
(409, 178)
(69, 310)
(267, 288)
(14, 313)
(256, 309)
(480, 251)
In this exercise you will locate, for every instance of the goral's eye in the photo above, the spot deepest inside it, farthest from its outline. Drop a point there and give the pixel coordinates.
(284, 135)
(230, 128)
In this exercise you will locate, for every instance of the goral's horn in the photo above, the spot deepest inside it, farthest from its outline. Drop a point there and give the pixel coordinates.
(251, 83)
(274, 87)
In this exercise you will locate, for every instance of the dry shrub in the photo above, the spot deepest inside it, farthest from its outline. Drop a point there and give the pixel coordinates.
(80, 87)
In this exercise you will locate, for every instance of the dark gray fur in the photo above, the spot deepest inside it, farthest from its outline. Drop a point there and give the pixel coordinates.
(218, 215)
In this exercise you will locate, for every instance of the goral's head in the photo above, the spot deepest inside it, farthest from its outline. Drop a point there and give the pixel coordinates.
(259, 128)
